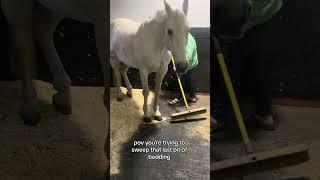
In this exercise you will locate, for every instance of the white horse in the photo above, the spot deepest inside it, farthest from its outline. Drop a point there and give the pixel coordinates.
(33, 21)
(148, 46)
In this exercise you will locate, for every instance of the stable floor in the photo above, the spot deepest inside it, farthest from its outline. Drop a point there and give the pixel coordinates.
(60, 147)
(127, 126)
(296, 124)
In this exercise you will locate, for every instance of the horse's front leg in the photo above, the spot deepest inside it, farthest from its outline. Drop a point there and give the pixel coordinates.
(30, 110)
(20, 23)
(46, 23)
(145, 93)
(159, 78)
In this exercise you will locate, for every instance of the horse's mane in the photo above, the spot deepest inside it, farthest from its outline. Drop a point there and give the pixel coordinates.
(159, 17)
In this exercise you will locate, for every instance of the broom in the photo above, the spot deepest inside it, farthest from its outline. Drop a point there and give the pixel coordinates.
(188, 111)
(252, 162)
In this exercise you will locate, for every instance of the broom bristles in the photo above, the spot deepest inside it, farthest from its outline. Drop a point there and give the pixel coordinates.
(189, 113)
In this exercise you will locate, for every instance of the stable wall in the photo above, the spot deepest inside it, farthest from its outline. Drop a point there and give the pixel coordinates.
(294, 56)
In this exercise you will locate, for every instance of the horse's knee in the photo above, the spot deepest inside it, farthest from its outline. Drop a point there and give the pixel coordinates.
(145, 92)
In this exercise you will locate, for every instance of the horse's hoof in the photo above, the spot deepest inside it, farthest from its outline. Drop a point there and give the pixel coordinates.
(120, 98)
(129, 95)
(61, 107)
(31, 118)
(158, 118)
(147, 119)
(30, 113)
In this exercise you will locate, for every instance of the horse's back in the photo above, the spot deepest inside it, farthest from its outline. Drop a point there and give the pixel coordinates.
(124, 26)
(122, 30)
(122, 37)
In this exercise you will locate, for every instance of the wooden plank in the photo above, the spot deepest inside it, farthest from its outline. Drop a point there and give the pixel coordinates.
(259, 162)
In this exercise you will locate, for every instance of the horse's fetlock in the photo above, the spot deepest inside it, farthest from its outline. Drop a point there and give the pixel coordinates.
(62, 84)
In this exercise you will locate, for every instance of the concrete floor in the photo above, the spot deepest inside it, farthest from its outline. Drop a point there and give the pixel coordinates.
(127, 126)
(60, 147)
(295, 125)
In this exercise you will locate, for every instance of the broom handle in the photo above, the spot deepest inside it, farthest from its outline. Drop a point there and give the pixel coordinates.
(232, 95)
(180, 85)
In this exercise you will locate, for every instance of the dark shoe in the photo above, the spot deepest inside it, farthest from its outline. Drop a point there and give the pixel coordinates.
(261, 122)
(192, 99)
(175, 101)
(266, 122)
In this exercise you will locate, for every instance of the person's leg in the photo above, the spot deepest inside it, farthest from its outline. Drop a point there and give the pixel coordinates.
(189, 87)
(263, 93)
(263, 96)
(219, 98)
(178, 97)
(233, 53)
(260, 67)
(216, 86)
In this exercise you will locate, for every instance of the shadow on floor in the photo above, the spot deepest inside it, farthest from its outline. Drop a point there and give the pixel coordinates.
(191, 164)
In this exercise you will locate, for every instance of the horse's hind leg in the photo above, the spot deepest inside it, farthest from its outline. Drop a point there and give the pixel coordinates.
(45, 23)
(124, 72)
(19, 16)
(116, 66)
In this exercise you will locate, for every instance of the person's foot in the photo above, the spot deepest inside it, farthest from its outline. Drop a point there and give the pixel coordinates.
(192, 99)
(262, 122)
(175, 101)
(265, 122)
